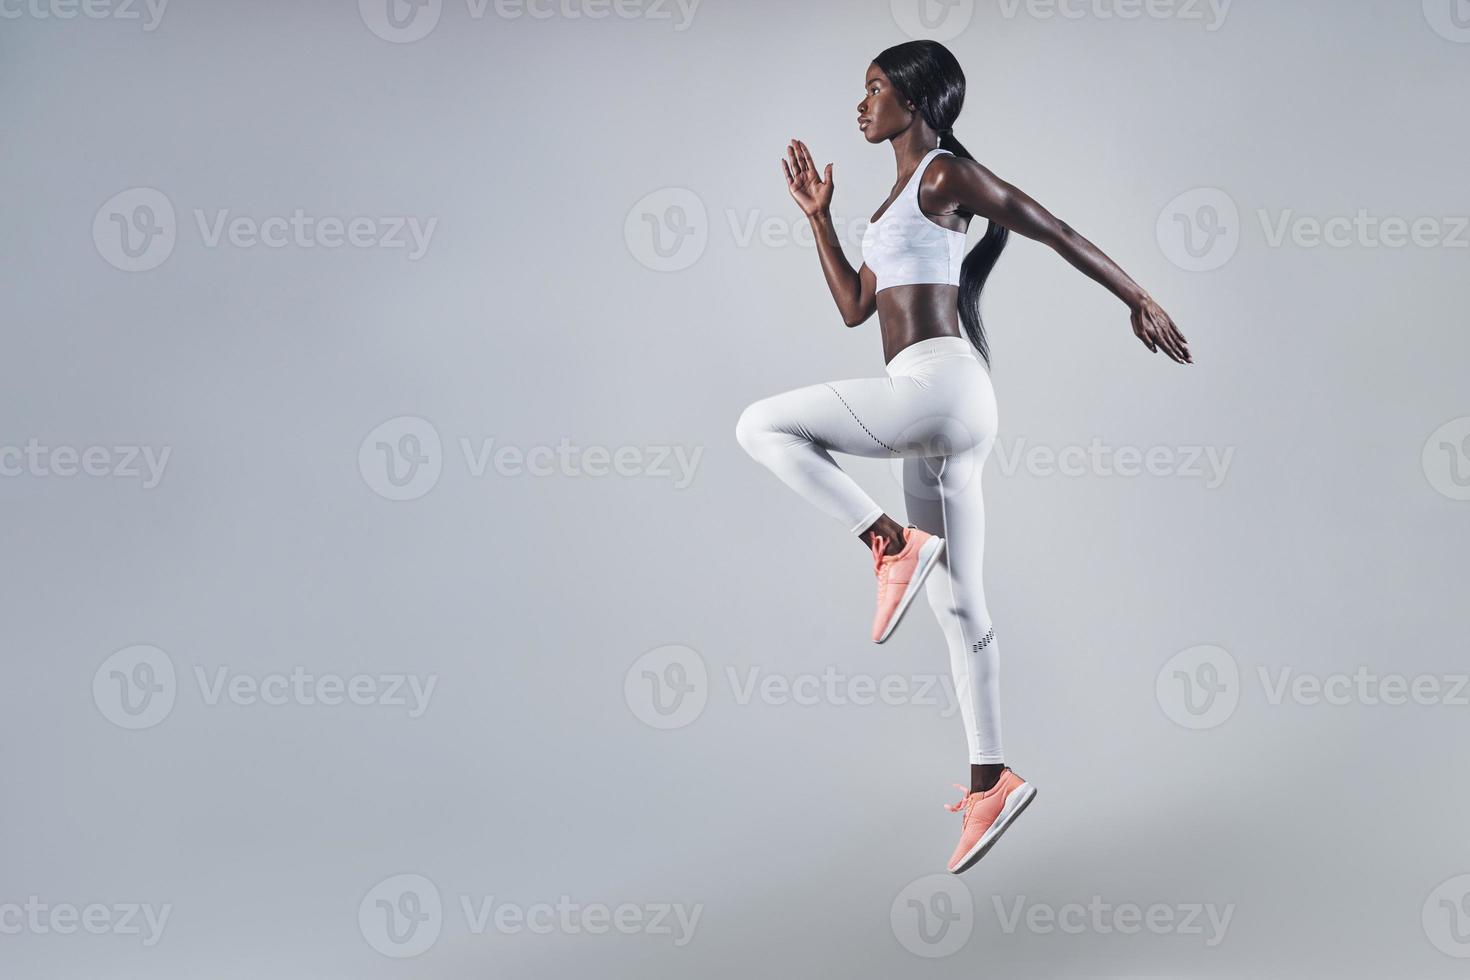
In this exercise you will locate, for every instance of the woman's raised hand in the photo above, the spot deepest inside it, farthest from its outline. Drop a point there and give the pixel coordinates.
(811, 191)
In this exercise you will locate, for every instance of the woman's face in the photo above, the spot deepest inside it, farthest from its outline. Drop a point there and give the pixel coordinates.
(883, 113)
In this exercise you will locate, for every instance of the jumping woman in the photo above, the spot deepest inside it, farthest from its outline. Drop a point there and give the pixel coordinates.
(936, 407)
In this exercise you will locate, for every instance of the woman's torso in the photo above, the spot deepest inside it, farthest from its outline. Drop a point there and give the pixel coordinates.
(907, 243)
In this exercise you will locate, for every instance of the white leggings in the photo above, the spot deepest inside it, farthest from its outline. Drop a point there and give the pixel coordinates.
(937, 410)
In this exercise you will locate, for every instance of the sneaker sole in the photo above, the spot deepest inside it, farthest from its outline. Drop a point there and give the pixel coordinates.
(928, 558)
(1020, 799)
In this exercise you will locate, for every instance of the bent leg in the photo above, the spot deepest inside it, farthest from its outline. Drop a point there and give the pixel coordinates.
(794, 433)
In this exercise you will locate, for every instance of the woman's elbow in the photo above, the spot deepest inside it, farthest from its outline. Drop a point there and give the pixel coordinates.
(858, 316)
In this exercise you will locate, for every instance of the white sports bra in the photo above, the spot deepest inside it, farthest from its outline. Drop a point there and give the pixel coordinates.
(904, 246)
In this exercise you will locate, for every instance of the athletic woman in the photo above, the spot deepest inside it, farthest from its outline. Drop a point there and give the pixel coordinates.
(936, 407)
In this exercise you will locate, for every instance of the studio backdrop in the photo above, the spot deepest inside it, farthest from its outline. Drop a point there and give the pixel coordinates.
(387, 594)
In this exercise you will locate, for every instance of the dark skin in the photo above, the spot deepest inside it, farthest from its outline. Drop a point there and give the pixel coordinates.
(951, 192)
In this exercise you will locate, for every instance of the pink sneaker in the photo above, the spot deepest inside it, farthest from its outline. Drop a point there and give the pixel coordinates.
(900, 576)
(987, 815)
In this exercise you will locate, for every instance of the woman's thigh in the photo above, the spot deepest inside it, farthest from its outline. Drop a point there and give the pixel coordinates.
(879, 417)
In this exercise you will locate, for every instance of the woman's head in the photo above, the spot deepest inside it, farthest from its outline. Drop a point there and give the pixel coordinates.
(920, 84)
(919, 81)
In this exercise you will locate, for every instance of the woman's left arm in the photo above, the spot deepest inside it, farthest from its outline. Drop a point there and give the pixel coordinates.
(972, 187)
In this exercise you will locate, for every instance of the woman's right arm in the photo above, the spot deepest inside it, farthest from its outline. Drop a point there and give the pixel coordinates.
(854, 291)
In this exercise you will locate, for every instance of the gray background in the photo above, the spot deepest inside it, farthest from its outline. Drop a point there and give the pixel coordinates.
(534, 317)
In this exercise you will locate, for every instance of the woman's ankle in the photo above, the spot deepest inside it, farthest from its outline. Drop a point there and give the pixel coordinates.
(890, 530)
(984, 777)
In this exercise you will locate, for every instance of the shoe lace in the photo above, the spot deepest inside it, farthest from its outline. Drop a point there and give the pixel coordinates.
(965, 801)
(880, 546)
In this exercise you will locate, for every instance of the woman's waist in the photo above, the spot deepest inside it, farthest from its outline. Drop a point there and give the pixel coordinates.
(926, 351)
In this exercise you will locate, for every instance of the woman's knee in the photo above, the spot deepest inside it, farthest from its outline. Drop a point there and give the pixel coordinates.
(753, 426)
(952, 599)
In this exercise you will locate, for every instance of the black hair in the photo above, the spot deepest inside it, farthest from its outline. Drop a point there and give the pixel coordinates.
(926, 74)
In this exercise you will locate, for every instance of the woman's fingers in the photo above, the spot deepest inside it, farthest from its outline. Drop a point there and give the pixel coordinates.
(1162, 338)
(806, 160)
(794, 157)
(1176, 343)
(806, 153)
(1156, 329)
(1175, 351)
(1181, 341)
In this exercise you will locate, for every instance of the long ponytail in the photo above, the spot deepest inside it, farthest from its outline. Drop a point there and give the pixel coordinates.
(930, 77)
(976, 268)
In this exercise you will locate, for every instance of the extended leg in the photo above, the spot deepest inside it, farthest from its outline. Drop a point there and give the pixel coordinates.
(943, 497)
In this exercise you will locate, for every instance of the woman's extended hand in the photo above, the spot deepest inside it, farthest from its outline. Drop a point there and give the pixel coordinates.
(1156, 329)
(812, 193)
